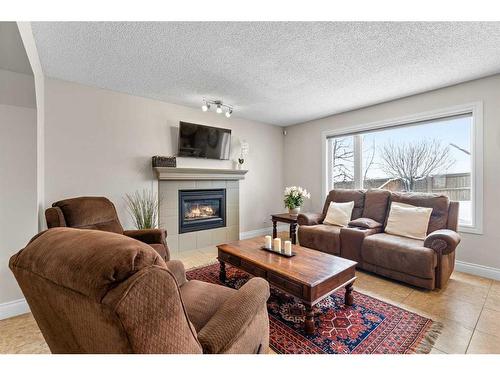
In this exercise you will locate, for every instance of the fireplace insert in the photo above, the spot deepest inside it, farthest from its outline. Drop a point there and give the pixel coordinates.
(201, 209)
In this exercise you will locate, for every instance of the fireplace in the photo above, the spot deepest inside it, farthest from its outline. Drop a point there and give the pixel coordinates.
(201, 209)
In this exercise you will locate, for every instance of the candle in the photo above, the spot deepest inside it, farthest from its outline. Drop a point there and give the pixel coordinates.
(288, 247)
(268, 242)
(277, 245)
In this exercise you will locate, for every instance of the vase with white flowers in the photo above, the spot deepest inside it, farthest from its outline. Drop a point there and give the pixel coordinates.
(294, 198)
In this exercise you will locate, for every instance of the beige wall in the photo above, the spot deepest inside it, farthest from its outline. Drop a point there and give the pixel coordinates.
(99, 142)
(18, 222)
(17, 89)
(303, 153)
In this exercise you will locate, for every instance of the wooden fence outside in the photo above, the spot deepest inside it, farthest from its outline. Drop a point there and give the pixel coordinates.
(456, 186)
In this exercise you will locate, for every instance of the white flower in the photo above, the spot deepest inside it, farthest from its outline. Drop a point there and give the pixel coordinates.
(296, 192)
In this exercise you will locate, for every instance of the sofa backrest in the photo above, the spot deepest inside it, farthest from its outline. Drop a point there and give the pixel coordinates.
(440, 205)
(453, 216)
(347, 195)
(375, 204)
(99, 292)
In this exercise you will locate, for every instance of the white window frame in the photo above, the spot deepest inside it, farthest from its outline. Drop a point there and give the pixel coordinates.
(476, 108)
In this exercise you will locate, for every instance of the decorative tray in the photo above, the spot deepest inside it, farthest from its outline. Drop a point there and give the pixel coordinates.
(275, 252)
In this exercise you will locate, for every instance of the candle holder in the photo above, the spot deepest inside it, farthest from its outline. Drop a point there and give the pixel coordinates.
(280, 254)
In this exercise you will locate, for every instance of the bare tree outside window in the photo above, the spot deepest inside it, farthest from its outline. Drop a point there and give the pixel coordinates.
(369, 159)
(342, 159)
(414, 161)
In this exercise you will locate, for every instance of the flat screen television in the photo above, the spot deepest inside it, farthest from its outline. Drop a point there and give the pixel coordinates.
(201, 141)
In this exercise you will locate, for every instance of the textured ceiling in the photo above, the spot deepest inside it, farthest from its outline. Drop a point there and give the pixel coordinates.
(278, 73)
(12, 54)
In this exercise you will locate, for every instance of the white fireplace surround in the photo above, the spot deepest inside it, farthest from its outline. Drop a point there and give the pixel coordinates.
(171, 180)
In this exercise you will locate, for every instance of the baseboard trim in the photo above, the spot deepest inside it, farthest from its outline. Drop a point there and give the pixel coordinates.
(478, 270)
(13, 308)
(262, 232)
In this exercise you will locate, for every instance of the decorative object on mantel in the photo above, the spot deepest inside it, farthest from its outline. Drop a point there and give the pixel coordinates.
(143, 208)
(244, 149)
(219, 107)
(294, 198)
(164, 161)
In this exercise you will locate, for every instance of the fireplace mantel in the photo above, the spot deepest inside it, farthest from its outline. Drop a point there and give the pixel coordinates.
(182, 174)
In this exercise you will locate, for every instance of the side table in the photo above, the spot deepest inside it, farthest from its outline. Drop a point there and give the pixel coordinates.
(285, 218)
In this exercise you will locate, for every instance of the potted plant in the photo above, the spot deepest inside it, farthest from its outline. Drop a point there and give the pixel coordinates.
(294, 198)
(143, 208)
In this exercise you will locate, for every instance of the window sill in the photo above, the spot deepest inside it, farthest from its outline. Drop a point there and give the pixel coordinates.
(470, 229)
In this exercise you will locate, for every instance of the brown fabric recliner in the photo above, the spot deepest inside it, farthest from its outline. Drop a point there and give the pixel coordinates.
(97, 292)
(100, 213)
(425, 263)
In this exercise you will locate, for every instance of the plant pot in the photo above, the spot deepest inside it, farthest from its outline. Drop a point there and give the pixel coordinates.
(294, 211)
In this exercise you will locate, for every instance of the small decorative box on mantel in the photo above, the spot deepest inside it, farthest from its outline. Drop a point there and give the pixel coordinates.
(164, 161)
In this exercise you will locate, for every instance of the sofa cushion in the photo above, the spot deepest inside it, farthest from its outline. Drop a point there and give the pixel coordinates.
(401, 254)
(346, 195)
(376, 203)
(202, 300)
(408, 221)
(321, 237)
(339, 213)
(438, 203)
(364, 222)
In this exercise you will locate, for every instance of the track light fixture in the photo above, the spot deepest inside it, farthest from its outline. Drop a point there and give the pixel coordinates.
(219, 107)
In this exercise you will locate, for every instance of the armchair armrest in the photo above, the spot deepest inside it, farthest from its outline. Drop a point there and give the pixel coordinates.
(149, 236)
(177, 268)
(444, 241)
(233, 317)
(310, 219)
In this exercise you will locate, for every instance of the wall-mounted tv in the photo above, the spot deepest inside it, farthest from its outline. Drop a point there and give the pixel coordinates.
(201, 141)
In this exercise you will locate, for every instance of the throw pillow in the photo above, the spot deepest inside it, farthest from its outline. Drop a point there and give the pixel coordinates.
(365, 222)
(408, 221)
(339, 213)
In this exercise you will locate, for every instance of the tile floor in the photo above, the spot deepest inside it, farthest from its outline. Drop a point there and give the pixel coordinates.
(468, 307)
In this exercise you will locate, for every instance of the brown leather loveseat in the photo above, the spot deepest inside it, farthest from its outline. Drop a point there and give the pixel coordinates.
(424, 263)
(98, 292)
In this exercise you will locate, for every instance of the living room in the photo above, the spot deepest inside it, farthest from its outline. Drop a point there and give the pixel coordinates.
(249, 187)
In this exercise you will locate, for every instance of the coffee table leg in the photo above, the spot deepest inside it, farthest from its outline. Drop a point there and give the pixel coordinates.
(309, 322)
(349, 299)
(222, 271)
(275, 229)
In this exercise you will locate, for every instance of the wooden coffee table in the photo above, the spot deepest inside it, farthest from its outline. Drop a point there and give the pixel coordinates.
(310, 275)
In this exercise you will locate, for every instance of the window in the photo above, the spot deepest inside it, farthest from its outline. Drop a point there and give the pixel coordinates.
(433, 155)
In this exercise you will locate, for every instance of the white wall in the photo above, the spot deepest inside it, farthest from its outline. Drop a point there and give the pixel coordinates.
(18, 222)
(303, 150)
(99, 142)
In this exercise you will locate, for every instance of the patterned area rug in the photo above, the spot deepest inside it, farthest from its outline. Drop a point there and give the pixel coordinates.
(369, 326)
